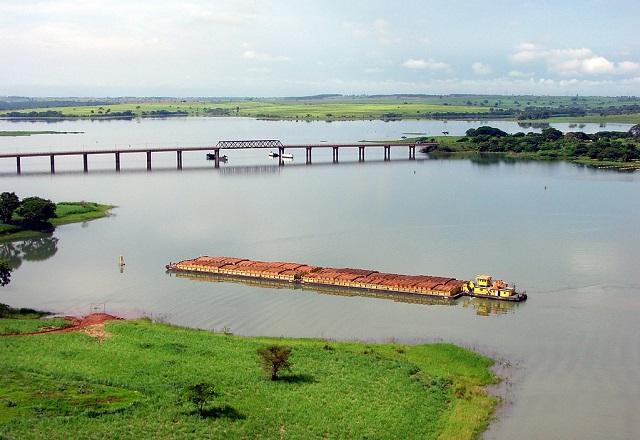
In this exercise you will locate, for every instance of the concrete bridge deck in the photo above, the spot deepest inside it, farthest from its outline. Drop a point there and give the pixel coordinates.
(221, 145)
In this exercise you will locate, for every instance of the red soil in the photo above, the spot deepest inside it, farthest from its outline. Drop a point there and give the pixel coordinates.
(76, 323)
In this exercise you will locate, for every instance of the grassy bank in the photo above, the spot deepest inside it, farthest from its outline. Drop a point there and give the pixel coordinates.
(459, 147)
(128, 386)
(19, 326)
(66, 212)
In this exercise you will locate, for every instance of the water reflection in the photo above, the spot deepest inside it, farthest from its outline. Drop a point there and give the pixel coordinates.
(33, 249)
(487, 307)
(535, 125)
(329, 290)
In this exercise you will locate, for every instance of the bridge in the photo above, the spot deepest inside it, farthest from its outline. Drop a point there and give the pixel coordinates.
(221, 145)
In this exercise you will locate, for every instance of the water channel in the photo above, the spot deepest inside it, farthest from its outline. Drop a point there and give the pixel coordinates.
(567, 234)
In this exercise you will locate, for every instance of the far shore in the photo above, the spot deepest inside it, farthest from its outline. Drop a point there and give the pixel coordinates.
(67, 212)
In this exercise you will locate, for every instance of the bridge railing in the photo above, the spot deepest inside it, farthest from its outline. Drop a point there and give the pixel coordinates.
(255, 143)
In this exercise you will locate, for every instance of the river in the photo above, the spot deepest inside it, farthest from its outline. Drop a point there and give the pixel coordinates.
(567, 234)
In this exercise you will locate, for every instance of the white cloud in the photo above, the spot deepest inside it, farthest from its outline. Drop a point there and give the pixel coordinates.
(519, 74)
(257, 56)
(481, 68)
(379, 30)
(628, 68)
(372, 70)
(572, 61)
(422, 64)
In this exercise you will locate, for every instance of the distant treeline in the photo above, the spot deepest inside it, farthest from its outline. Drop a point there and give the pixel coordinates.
(108, 114)
(15, 104)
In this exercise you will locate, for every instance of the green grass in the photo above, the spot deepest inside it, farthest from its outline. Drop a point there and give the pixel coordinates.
(32, 132)
(359, 107)
(67, 212)
(348, 109)
(15, 326)
(335, 390)
(75, 212)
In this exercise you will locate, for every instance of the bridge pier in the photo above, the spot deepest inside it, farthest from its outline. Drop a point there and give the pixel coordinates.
(361, 154)
(52, 162)
(117, 161)
(148, 160)
(308, 156)
(85, 162)
(387, 152)
(216, 151)
(18, 165)
(179, 159)
(412, 152)
(335, 154)
(280, 153)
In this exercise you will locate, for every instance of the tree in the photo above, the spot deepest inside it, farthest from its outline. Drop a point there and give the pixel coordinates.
(35, 210)
(199, 394)
(273, 359)
(5, 273)
(9, 202)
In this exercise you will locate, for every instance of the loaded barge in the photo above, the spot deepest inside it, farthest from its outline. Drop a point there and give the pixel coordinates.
(359, 279)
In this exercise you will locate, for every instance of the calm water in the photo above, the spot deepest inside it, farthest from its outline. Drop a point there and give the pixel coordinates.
(573, 246)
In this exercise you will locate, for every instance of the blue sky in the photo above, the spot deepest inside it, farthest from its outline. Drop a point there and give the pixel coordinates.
(284, 48)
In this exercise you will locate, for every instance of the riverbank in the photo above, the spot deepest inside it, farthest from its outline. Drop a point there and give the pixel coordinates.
(459, 147)
(132, 377)
(66, 212)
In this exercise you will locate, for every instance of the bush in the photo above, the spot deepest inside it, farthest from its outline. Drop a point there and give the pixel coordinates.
(273, 359)
(36, 211)
(199, 395)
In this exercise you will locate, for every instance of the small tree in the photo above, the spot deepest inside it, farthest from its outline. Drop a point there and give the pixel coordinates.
(9, 202)
(273, 359)
(5, 273)
(199, 394)
(36, 210)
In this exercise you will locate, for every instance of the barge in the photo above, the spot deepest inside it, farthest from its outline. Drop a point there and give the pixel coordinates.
(343, 278)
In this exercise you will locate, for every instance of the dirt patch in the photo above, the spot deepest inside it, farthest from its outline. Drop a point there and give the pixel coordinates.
(96, 331)
(92, 325)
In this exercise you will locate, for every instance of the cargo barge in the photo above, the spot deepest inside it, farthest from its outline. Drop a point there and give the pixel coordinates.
(345, 278)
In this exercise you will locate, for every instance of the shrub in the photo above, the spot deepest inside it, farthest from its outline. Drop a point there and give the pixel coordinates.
(199, 395)
(273, 359)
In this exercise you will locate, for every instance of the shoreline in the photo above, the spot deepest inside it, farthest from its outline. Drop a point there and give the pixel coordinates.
(466, 378)
(98, 211)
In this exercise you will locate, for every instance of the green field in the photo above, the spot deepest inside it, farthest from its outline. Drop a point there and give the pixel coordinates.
(16, 326)
(368, 109)
(67, 212)
(340, 107)
(129, 386)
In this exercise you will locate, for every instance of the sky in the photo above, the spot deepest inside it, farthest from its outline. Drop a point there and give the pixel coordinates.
(299, 47)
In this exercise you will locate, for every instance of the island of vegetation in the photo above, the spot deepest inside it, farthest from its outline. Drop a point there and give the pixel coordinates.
(133, 379)
(33, 216)
(330, 107)
(604, 149)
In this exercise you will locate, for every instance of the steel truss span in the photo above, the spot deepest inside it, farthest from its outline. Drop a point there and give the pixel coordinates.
(255, 143)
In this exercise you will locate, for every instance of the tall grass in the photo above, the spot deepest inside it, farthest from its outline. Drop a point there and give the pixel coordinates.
(335, 390)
